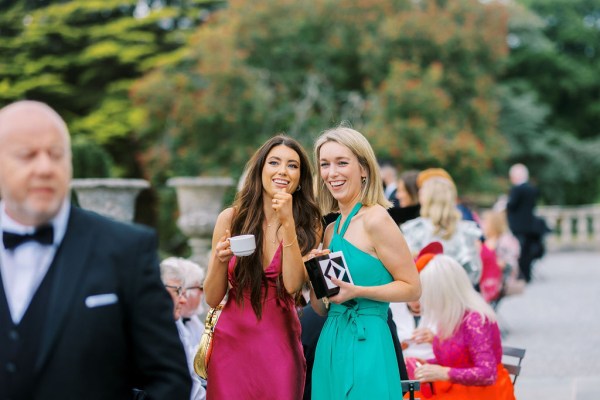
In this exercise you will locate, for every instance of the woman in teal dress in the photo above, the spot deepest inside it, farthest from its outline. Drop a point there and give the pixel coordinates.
(355, 356)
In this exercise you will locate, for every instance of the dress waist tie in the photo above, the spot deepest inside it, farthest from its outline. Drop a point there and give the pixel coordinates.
(349, 315)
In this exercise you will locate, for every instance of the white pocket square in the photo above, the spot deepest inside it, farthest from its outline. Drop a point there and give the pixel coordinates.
(99, 300)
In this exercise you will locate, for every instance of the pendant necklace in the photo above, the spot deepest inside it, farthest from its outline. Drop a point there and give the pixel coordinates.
(277, 230)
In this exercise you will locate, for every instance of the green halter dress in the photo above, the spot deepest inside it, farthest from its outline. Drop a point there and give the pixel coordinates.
(355, 357)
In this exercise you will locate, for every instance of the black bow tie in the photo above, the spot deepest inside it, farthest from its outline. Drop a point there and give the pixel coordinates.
(43, 235)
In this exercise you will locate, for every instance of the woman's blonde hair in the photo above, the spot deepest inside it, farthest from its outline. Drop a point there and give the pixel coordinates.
(448, 294)
(495, 222)
(372, 188)
(438, 204)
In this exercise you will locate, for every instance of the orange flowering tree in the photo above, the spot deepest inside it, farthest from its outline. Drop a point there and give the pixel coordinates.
(418, 79)
(433, 71)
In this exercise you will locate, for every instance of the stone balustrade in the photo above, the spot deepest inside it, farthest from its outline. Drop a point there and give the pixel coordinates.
(573, 227)
(200, 200)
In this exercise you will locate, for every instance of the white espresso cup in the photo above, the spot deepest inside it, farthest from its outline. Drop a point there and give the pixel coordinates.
(242, 245)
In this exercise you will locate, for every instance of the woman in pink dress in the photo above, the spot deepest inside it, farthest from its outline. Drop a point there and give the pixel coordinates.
(257, 352)
(467, 345)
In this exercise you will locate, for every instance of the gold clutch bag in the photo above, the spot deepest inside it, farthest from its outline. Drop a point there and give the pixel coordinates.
(205, 348)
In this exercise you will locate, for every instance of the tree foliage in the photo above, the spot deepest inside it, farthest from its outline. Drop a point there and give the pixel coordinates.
(82, 56)
(565, 74)
(421, 91)
(465, 84)
(436, 105)
(550, 96)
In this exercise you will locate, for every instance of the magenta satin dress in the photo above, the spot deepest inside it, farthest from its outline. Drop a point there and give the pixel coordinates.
(254, 359)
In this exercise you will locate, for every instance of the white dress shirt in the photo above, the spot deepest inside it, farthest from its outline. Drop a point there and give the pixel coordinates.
(195, 329)
(405, 325)
(198, 384)
(24, 268)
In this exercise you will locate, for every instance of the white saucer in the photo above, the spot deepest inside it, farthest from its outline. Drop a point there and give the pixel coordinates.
(244, 253)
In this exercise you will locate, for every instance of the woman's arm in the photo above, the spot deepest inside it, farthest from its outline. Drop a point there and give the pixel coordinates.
(215, 284)
(390, 247)
(478, 337)
(478, 334)
(293, 272)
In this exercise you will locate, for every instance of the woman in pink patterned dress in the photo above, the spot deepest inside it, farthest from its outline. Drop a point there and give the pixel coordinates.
(257, 352)
(467, 346)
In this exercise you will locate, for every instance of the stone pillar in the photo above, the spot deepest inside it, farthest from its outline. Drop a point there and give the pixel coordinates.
(552, 216)
(111, 197)
(200, 200)
(595, 227)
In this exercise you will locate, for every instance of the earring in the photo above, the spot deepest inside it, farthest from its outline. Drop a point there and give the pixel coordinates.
(298, 188)
(364, 180)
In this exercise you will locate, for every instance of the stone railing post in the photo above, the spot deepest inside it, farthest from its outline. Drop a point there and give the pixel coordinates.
(595, 214)
(553, 218)
(582, 226)
(111, 197)
(585, 236)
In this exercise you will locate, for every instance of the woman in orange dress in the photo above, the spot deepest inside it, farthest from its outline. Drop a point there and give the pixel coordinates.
(467, 346)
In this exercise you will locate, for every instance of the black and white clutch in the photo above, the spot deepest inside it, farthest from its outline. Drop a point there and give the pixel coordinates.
(321, 269)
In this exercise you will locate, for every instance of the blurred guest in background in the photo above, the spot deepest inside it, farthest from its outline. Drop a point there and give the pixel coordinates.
(521, 220)
(506, 248)
(441, 221)
(173, 271)
(408, 198)
(191, 310)
(389, 176)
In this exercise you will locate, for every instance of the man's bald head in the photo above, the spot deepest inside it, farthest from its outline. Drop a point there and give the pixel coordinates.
(25, 110)
(518, 174)
(35, 161)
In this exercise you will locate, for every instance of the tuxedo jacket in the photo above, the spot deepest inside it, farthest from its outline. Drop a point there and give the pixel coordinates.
(109, 323)
(519, 209)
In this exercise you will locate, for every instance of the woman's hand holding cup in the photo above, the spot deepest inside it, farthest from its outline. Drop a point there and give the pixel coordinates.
(242, 245)
(223, 248)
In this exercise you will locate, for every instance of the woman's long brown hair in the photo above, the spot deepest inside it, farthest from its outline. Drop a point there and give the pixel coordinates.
(249, 217)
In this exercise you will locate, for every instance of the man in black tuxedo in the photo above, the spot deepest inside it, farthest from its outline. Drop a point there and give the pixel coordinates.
(83, 312)
(521, 220)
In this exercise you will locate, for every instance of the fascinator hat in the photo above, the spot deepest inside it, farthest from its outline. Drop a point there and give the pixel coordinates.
(427, 253)
(431, 173)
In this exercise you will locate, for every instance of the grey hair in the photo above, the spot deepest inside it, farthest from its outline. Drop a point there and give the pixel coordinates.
(172, 269)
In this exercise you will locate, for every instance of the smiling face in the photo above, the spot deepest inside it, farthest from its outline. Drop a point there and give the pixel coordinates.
(35, 162)
(341, 172)
(281, 171)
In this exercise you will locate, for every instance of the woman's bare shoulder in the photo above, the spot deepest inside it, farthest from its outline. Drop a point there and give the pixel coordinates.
(329, 231)
(227, 213)
(226, 216)
(374, 216)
